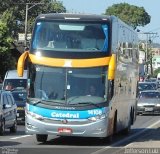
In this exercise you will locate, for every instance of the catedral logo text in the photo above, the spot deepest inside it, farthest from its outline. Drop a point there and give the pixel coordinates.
(64, 115)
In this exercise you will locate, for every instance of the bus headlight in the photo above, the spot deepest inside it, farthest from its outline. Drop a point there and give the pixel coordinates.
(98, 117)
(34, 115)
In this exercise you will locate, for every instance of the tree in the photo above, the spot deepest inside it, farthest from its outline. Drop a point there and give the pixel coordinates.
(130, 14)
(12, 22)
(155, 72)
(4, 37)
(6, 59)
(13, 13)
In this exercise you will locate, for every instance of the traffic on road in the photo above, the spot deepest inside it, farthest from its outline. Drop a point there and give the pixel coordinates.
(143, 135)
(79, 86)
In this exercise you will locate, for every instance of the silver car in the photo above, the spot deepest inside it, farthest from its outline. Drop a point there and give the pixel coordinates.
(148, 102)
(8, 112)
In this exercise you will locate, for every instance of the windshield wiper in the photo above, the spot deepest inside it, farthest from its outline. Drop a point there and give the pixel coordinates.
(54, 101)
(86, 103)
(37, 101)
(75, 97)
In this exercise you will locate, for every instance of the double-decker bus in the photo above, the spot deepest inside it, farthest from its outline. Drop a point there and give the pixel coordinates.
(82, 76)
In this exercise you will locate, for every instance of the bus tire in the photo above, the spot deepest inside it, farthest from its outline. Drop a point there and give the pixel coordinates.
(127, 130)
(108, 139)
(2, 128)
(115, 123)
(133, 116)
(41, 137)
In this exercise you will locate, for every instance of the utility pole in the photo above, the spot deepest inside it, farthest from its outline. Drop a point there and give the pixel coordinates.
(149, 35)
(26, 19)
(26, 27)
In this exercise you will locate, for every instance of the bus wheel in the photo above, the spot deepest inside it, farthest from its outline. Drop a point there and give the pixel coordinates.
(108, 139)
(41, 137)
(127, 130)
(2, 128)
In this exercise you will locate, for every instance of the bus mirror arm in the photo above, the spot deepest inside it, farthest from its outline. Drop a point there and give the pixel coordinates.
(112, 66)
(21, 63)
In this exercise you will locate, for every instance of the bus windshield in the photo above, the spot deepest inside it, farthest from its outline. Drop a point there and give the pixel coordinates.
(68, 85)
(70, 37)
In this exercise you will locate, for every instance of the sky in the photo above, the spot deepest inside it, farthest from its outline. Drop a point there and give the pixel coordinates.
(152, 7)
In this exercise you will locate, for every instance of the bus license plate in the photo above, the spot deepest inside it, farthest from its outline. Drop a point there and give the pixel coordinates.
(65, 130)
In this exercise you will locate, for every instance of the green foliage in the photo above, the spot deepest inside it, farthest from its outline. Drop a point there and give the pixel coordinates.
(155, 72)
(13, 13)
(12, 22)
(130, 14)
(5, 42)
(6, 59)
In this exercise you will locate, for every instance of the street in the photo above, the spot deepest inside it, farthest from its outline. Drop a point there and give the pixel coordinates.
(144, 134)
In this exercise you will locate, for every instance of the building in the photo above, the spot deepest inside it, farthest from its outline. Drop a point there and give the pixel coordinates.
(156, 62)
(142, 63)
(155, 58)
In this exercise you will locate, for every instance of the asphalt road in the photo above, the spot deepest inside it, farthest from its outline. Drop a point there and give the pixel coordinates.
(145, 133)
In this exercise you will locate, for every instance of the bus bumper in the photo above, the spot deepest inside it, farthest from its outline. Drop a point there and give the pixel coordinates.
(67, 128)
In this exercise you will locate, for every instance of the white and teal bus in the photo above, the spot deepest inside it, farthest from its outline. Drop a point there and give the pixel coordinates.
(69, 53)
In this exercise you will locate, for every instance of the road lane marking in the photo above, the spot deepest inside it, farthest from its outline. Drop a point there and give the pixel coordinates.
(14, 138)
(125, 139)
(151, 126)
